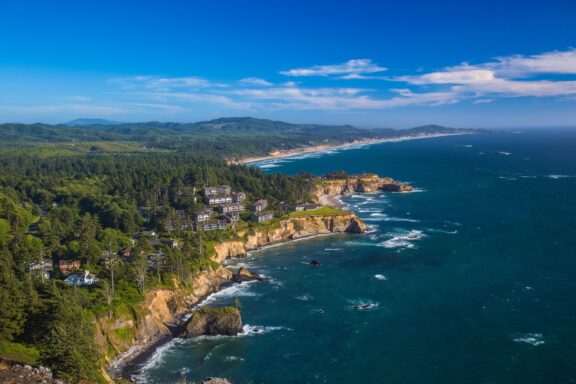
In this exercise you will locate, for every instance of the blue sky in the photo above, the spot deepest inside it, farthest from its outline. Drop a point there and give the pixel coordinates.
(366, 63)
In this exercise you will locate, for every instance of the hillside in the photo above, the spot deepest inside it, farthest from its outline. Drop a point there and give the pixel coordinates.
(225, 137)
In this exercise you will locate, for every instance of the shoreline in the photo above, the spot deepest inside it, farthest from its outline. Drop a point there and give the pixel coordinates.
(131, 362)
(322, 148)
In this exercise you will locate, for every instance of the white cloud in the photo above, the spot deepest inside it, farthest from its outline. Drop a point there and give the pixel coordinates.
(155, 82)
(256, 81)
(472, 76)
(351, 67)
(556, 62)
(480, 84)
(506, 77)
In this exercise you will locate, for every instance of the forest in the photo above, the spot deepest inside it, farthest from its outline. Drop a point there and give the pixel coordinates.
(81, 192)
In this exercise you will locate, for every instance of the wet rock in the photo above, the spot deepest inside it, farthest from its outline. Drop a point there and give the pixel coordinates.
(213, 321)
(244, 274)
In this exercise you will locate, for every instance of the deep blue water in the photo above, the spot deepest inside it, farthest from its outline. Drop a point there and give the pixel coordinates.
(478, 273)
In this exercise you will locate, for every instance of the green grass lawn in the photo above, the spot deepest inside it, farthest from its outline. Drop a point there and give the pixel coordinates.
(320, 211)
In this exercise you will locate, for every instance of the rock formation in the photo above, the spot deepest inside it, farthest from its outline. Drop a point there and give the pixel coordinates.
(290, 229)
(11, 373)
(244, 274)
(213, 321)
(358, 184)
(160, 308)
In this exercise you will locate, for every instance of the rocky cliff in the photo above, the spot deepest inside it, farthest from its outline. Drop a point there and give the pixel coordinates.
(13, 373)
(289, 229)
(119, 330)
(358, 184)
(213, 321)
(128, 331)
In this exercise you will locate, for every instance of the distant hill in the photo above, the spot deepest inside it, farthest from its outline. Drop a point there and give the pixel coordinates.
(86, 122)
(232, 137)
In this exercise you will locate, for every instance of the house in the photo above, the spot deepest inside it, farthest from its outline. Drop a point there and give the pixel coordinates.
(311, 206)
(81, 278)
(238, 197)
(259, 217)
(202, 215)
(232, 217)
(126, 253)
(42, 268)
(232, 207)
(294, 207)
(146, 233)
(214, 225)
(171, 243)
(259, 205)
(66, 266)
(220, 199)
(217, 190)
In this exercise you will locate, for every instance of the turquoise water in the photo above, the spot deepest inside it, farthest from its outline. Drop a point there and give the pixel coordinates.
(477, 285)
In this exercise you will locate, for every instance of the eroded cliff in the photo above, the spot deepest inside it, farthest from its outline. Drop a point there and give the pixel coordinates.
(358, 184)
(289, 229)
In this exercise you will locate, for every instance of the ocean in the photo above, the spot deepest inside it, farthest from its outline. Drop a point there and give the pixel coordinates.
(471, 278)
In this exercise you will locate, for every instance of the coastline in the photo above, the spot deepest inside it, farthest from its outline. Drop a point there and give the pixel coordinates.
(322, 148)
(131, 362)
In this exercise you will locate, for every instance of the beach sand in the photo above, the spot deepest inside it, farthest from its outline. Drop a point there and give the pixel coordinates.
(322, 148)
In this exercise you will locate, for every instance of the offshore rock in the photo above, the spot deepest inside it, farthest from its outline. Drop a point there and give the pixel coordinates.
(212, 322)
(359, 184)
(244, 274)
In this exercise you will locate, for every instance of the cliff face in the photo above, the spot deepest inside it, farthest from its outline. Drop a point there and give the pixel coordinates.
(359, 184)
(117, 331)
(148, 322)
(290, 229)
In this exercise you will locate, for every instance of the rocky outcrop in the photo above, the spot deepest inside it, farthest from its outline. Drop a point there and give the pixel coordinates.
(212, 322)
(11, 373)
(215, 380)
(358, 184)
(132, 330)
(228, 249)
(150, 321)
(289, 229)
(244, 275)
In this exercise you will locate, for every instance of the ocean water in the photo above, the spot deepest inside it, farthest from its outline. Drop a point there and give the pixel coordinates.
(472, 279)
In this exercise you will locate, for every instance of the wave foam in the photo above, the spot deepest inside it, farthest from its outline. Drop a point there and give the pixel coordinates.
(530, 338)
(403, 240)
(363, 304)
(249, 330)
(305, 297)
(236, 290)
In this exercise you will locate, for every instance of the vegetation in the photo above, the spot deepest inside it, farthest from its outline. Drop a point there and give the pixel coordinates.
(85, 193)
(324, 211)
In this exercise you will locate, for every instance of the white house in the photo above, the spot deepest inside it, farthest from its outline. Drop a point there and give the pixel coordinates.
(259, 205)
(202, 215)
(232, 207)
(215, 200)
(81, 278)
(259, 217)
(217, 190)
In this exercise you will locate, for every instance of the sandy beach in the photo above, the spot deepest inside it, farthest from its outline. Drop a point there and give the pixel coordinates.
(321, 148)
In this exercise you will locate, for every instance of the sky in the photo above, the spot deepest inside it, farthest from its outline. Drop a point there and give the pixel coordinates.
(373, 63)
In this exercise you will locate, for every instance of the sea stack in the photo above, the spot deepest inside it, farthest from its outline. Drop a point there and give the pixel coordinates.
(224, 321)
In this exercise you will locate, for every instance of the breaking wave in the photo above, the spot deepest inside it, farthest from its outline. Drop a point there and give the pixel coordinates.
(403, 240)
(530, 338)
